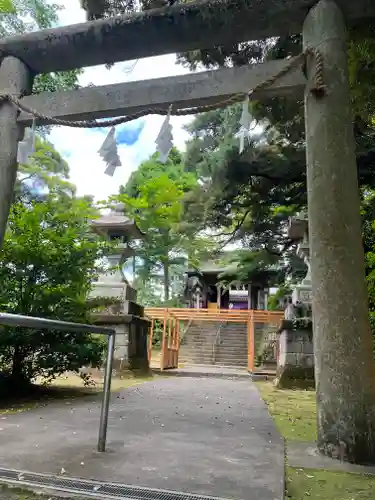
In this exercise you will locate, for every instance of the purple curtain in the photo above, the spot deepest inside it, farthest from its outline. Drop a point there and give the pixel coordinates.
(239, 305)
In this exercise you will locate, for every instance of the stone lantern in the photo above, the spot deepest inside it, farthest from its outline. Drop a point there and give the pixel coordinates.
(295, 342)
(117, 228)
(124, 314)
(298, 231)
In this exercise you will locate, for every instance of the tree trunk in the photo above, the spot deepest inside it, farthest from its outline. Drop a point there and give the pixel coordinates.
(18, 376)
(344, 368)
(166, 281)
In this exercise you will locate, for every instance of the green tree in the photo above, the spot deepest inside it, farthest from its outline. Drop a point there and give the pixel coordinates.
(246, 198)
(6, 7)
(47, 265)
(32, 15)
(368, 224)
(45, 174)
(154, 196)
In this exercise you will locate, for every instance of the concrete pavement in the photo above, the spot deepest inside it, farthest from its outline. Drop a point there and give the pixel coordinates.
(206, 436)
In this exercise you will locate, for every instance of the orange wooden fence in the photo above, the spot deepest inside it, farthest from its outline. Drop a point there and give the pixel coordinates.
(170, 319)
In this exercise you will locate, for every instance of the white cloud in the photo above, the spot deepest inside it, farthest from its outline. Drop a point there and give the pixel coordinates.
(79, 146)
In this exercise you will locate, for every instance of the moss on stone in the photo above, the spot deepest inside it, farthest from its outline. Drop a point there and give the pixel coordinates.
(290, 377)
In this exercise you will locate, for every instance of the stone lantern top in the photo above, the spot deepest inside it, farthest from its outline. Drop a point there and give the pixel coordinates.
(115, 225)
(298, 231)
(298, 227)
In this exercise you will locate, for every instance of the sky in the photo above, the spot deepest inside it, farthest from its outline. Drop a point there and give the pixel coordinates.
(136, 139)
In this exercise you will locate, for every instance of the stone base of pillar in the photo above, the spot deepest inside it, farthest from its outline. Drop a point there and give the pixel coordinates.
(138, 346)
(131, 347)
(295, 359)
(121, 358)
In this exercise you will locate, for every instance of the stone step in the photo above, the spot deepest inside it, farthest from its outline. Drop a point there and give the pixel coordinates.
(208, 363)
(230, 349)
(219, 342)
(221, 338)
(224, 361)
(230, 330)
(230, 352)
(215, 334)
(238, 343)
(211, 334)
(215, 345)
(228, 343)
(230, 355)
(222, 347)
(236, 340)
(229, 358)
(210, 347)
(216, 358)
(217, 349)
(224, 330)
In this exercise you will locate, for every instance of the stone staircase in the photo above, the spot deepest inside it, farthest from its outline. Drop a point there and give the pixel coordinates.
(215, 344)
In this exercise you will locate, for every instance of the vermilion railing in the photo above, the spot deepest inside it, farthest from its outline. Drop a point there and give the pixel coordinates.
(171, 318)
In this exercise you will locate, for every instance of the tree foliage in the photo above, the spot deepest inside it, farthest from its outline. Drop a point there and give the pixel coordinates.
(45, 174)
(6, 6)
(31, 15)
(153, 196)
(247, 199)
(47, 264)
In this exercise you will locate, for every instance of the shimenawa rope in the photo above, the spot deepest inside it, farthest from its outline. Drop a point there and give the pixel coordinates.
(318, 89)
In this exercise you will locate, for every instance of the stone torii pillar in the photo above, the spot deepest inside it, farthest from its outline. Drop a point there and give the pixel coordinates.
(15, 78)
(344, 368)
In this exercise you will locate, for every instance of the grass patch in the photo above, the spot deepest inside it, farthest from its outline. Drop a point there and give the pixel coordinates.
(69, 387)
(16, 493)
(17, 407)
(294, 411)
(74, 381)
(9, 492)
(310, 484)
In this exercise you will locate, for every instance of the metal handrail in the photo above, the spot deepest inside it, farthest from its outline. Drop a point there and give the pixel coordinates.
(214, 344)
(7, 319)
(187, 328)
(51, 324)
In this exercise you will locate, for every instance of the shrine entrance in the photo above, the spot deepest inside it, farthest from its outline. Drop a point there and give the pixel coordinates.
(260, 327)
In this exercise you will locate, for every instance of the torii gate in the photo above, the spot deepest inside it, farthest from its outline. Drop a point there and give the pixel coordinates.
(346, 399)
